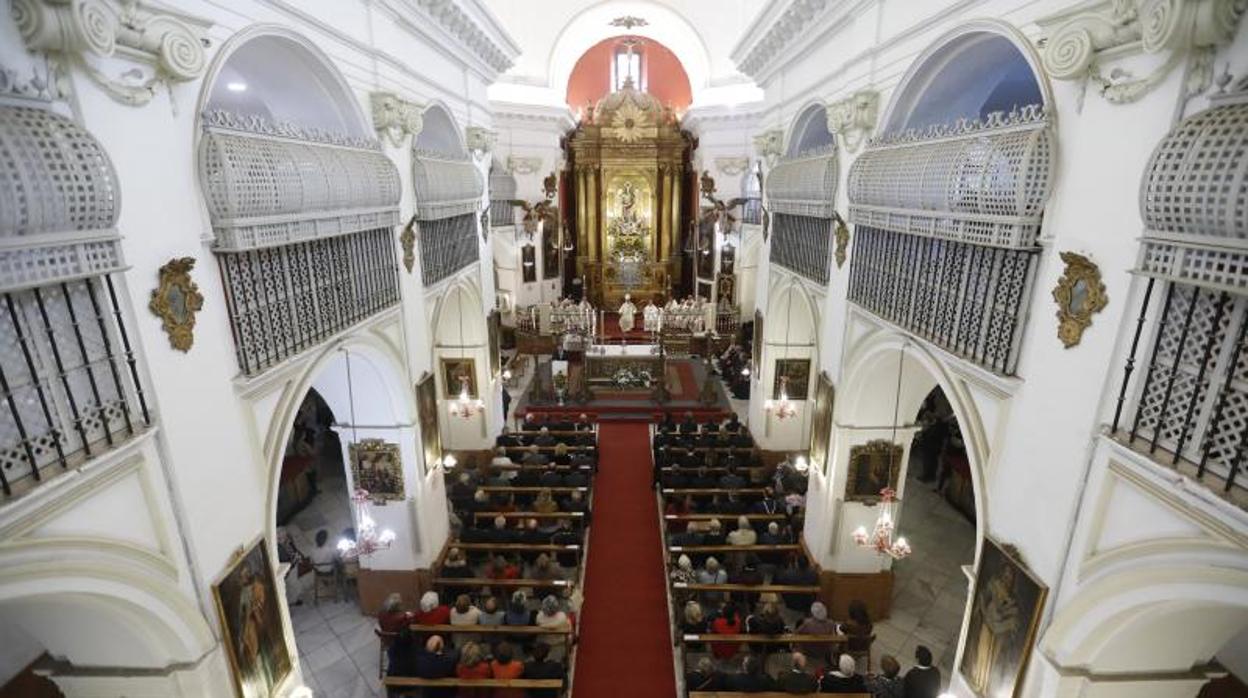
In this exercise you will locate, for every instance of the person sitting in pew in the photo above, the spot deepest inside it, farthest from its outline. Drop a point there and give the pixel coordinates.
(472, 665)
(688, 426)
(797, 573)
(527, 477)
(551, 616)
(575, 502)
(748, 573)
(766, 622)
(500, 533)
(518, 612)
(714, 533)
(506, 666)
(731, 480)
(491, 614)
(752, 678)
(817, 623)
(544, 437)
(502, 568)
(773, 535)
(726, 622)
(561, 456)
(531, 533)
(545, 569)
(434, 662)
(674, 479)
(507, 438)
(575, 478)
(431, 611)
(744, 535)
(501, 457)
(581, 459)
(464, 613)
(797, 680)
(544, 503)
(694, 533)
(733, 424)
(730, 504)
(769, 504)
(704, 677)
(693, 621)
(542, 667)
(858, 628)
(462, 491)
(550, 478)
(887, 684)
(683, 574)
(844, 679)
(711, 573)
(456, 565)
(534, 457)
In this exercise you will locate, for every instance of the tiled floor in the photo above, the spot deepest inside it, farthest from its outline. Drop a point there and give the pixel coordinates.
(930, 588)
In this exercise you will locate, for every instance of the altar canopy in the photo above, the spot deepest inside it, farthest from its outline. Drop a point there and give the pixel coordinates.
(629, 167)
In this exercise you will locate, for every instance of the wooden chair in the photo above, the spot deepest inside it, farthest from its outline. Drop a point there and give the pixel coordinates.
(325, 579)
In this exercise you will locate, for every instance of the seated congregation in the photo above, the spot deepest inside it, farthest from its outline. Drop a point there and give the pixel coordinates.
(500, 619)
(744, 587)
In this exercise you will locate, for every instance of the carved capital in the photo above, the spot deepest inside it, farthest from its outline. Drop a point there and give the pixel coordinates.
(732, 166)
(479, 140)
(853, 119)
(525, 165)
(166, 47)
(396, 118)
(1075, 45)
(769, 145)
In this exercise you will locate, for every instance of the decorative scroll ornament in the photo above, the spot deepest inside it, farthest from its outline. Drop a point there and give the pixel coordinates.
(769, 145)
(1079, 294)
(479, 140)
(523, 165)
(732, 166)
(842, 239)
(628, 22)
(853, 119)
(1179, 29)
(176, 300)
(396, 118)
(168, 47)
(407, 240)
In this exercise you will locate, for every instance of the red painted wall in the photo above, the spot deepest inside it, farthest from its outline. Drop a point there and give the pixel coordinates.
(665, 76)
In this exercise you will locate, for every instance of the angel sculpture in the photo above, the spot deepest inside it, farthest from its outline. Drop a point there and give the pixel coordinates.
(541, 212)
(719, 213)
(550, 186)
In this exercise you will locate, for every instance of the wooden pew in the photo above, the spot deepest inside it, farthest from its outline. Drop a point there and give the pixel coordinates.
(395, 685)
(489, 629)
(517, 547)
(533, 515)
(510, 583)
(696, 491)
(752, 588)
(500, 489)
(768, 694)
(522, 466)
(725, 518)
(787, 639)
(760, 548)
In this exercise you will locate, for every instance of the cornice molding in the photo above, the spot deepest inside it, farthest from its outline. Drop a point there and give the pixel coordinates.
(780, 31)
(504, 112)
(164, 46)
(396, 118)
(1078, 41)
(469, 24)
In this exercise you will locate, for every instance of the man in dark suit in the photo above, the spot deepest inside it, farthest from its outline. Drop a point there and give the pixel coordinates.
(923, 680)
(731, 480)
(796, 680)
(688, 426)
(434, 663)
(752, 678)
(542, 668)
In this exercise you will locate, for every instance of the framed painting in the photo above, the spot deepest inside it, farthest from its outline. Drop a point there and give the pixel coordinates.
(821, 423)
(756, 355)
(550, 250)
(798, 373)
(528, 264)
(427, 413)
(1005, 610)
(494, 325)
(377, 467)
(251, 623)
(453, 371)
(706, 249)
(726, 290)
(872, 467)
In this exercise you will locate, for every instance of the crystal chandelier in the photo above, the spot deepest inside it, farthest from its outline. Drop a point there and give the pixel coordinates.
(368, 539)
(782, 408)
(881, 537)
(464, 406)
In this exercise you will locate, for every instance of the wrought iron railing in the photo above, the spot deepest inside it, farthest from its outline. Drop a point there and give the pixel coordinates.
(1192, 403)
(446, 246)
(68, 378)
(283, 300)
(802, 244)
(502, 213)
(967, 299)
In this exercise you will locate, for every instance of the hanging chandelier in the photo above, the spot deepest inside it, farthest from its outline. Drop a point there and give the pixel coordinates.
(880, 539)
(368, 539)
(782, 408)
(464, 406)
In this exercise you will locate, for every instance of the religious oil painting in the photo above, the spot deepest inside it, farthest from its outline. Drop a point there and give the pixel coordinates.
(1005, 610)
(550, 250)
(821, 423)
(873, 466)
(756, 348)
(528, 262)
(494, 324)
(377, 468)
(251, 623)
(427, 412)
(797, 371)
(458, 373)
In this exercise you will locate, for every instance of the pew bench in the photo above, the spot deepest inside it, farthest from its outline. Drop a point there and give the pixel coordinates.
(787, 639)
(405, 685)
(759, 548)
(529, 515)
(517, 547)
(701, 491)
(526, 489)
(730, 518)
(509, 583)
(768, 694)
(489, 629)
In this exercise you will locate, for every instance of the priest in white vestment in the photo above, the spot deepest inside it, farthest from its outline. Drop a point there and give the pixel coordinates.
(628, 313)
(650, 317)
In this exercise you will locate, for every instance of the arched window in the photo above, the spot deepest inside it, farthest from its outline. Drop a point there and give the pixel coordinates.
(68, 375)
(947, 201)
(303, 202)
(626, 65)
(801, 194)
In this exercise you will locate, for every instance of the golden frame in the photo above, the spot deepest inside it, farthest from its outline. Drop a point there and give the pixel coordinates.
(821, 423)
(427, 413)
(176, 300)
(383, 476)
(862, 483)
(1004, 558)
(246, 555)
(1080, 294)
(494, 325)
(798, 373)
(452, 369)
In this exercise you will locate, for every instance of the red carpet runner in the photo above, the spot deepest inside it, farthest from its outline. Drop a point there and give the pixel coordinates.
(625, 645)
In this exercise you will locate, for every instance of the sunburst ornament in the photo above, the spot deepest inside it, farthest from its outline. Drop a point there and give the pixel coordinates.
(628, 122)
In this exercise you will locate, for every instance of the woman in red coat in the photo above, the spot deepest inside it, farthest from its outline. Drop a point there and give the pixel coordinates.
(431, 611)
(728, 622)
(472, 665)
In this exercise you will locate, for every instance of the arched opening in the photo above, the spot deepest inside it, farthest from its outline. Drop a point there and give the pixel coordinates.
(653, 67)
(810, 132)
(462, 364)
(788, 357)
(440, 135)
(351, 428)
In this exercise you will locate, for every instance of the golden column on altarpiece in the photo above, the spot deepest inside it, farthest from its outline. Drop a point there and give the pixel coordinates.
(629, 159)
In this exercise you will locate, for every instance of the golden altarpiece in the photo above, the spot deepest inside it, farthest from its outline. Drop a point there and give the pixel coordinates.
(628, 163)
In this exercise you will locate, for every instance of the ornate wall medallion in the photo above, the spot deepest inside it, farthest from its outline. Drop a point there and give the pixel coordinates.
(407, 240)
(1079, 295)
(842, 241)
(176, 300)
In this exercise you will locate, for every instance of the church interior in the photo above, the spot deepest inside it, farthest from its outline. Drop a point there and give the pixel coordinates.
(653, 348)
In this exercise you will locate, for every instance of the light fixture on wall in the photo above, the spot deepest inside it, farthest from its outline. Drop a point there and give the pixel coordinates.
(782, 408)
(880, 539)
(464, 406)
(368, 538)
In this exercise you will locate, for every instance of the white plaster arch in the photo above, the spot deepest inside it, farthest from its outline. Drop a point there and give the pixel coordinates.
(148, 621)
(461, 301)
(593, 25)
(929, 64)
(1152, 617)
(868, 397)
(334, 91)
(440, 131)
(790, 301)
(813, 114)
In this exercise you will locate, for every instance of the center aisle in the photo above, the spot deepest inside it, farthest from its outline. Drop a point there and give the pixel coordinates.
(625, 646)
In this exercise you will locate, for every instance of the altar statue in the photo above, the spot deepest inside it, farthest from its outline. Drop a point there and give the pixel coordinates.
(650, 317)
(628, 312)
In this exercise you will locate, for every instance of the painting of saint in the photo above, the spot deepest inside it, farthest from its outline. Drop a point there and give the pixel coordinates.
(427, 411)
(252, 625)
(377, 468)
(1005, 610)
(872, 467)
